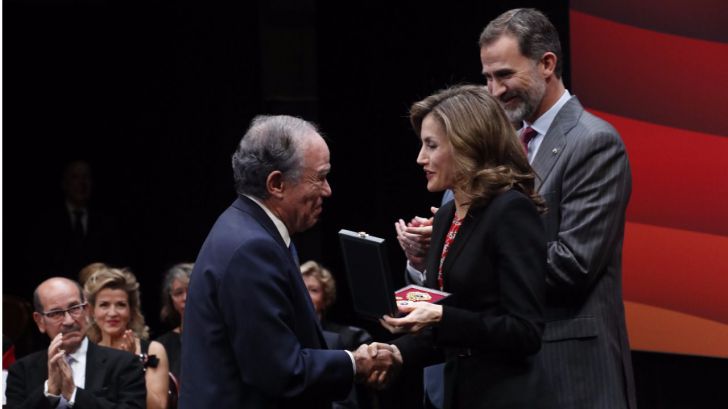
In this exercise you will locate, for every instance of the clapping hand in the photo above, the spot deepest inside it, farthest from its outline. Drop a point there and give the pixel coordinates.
(128, 342)
(377, 364)
(414, 238)
(60, 376)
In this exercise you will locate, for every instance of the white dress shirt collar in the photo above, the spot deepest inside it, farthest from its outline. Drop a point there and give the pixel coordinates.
(282, 229)
(543, 124)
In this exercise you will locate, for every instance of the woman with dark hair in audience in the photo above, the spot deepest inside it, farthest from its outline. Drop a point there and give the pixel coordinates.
(174, 296)
(117, 322)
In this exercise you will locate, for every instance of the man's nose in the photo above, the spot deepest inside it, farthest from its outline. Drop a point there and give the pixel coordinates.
(326, 189)
(67, 318)
(496, 88)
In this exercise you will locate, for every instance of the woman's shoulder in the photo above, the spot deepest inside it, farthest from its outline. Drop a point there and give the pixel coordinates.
(156, 348)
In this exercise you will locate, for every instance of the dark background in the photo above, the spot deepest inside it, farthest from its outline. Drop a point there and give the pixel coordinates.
(156, 95)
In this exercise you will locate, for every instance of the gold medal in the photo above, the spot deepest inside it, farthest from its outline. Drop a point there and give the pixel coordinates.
(418, 296)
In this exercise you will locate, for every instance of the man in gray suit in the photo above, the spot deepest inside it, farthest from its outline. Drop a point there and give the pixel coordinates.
(585, 179)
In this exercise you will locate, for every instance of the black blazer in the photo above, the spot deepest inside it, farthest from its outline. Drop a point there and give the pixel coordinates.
(114, 379)
(493, 322)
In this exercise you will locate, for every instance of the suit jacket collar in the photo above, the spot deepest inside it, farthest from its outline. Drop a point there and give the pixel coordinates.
(246, 205)
(555, 141)
(95, 367)
(463, 235)
(439, 233)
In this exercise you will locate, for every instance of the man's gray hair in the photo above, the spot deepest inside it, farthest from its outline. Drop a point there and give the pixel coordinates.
(533, 31)
(271, 143)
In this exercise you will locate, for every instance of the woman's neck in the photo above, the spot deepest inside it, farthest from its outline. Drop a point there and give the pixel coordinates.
(111, 341)
(461, 209)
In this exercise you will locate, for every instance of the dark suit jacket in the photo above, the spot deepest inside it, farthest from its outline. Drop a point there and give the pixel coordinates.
(251, 338)
(492, 323)
(114, 379)
(586, 182)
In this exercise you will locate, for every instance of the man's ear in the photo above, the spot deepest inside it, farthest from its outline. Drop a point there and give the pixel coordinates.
(38, 318)
(549, 64)
(274, 184)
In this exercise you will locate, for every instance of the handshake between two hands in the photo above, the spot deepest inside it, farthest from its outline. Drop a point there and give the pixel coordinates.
(377, 364)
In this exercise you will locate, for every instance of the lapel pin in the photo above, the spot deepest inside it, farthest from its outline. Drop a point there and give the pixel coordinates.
(555, 151)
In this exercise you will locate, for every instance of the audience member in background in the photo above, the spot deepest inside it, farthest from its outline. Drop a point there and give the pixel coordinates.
(117, 322)
(88, 271)
(72, 371)
(174, 296)
(75, 231)
(321, 287)
(488, 250)
(8, 359)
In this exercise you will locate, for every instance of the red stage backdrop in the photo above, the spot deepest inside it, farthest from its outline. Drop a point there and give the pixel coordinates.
(658, 71)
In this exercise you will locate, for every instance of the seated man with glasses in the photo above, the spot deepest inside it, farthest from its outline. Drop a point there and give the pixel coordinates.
(72, 373)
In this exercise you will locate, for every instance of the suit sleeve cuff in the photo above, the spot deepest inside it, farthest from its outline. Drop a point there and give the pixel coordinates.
(54, 400)
(353, 361)
(72, 401)
(417, 276)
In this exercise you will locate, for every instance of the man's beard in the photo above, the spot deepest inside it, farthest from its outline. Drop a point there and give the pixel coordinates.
(529, 100)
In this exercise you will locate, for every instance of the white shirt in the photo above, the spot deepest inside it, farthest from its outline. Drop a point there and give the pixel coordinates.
(282, 229)
(543, 123)
(286, 236)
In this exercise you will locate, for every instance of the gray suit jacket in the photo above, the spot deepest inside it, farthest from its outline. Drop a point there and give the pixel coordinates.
(585, 178)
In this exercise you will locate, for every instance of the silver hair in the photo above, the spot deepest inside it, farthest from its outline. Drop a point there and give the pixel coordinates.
(271, 143)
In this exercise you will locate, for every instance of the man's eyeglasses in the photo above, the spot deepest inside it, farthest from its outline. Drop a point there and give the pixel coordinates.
(74, 311)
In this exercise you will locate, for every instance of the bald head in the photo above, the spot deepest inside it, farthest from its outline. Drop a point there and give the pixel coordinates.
(60, 308)
(54, 284)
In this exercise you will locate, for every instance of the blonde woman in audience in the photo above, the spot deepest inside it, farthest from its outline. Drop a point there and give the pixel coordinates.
(117, 322)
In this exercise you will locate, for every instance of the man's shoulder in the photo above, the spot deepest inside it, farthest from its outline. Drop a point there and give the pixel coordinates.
(595, 124)
(30, 359)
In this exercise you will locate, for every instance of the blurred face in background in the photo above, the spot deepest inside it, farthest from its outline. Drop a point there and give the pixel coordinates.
(112, 311)
(316, 292)
(178, 292)
(77, 183)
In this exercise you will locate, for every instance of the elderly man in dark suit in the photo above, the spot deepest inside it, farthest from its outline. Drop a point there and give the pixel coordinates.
(585, 179)
(73, 372)
(251, 335)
